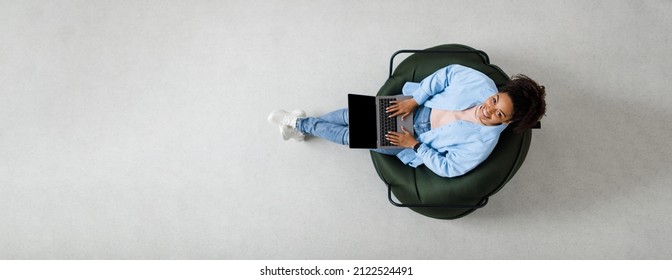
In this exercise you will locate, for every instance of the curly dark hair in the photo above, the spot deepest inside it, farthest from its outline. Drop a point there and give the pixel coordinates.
(529, 104)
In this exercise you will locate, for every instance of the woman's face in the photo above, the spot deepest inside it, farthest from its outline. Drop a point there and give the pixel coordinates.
(497, 109)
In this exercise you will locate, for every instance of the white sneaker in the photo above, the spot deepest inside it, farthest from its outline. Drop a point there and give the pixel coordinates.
(289, 132)
(282, 117)
(287, 123)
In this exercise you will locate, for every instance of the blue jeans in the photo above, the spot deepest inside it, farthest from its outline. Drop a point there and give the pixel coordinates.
(334, 127)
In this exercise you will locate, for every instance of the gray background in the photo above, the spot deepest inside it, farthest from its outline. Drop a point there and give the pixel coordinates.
(137, 129)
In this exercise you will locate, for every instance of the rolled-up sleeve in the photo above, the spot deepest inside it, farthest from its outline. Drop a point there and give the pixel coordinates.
(453, 162)
(435, 83)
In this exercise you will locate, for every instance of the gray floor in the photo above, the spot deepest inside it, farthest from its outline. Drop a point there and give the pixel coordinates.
(137, 129)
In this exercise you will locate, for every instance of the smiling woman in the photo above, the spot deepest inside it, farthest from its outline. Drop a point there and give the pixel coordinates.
(420, 188)
(459, 114)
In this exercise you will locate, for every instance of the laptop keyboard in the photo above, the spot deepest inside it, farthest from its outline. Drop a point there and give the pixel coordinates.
(386, 124)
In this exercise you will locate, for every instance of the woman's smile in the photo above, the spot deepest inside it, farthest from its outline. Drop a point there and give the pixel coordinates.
(497, 109)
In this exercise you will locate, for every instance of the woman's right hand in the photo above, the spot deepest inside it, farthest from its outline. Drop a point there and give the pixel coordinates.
(402, 108)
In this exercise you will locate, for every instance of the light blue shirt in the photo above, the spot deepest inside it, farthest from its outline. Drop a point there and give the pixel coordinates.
(458, 147)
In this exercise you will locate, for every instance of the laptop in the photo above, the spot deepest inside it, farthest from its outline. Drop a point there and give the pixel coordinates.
(369, 122)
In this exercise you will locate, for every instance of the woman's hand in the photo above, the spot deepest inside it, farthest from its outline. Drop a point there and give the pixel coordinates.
(402, 139)
(402, 108)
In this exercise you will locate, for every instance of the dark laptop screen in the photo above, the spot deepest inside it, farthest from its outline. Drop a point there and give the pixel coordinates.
(362, 110)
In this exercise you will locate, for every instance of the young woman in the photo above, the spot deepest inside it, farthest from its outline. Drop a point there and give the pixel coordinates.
(458, 116)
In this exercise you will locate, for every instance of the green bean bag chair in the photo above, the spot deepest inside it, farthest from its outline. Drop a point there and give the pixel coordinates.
(419, 188)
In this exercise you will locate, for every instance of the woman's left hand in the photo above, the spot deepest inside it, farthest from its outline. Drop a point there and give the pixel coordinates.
(402, 139)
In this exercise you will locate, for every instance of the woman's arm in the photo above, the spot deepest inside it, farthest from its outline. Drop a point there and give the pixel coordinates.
(457, 161)
(438, 81)
(451, 164)
(433, 84)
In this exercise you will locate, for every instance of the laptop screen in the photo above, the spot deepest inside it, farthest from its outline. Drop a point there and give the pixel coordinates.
(362, 110)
